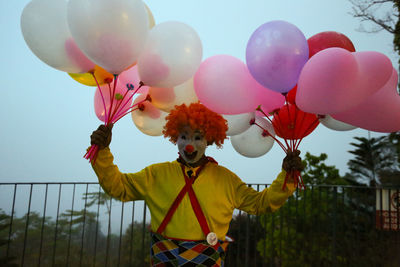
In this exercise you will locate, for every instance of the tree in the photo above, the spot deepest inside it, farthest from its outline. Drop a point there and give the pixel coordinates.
(383, 14)
(372, 155)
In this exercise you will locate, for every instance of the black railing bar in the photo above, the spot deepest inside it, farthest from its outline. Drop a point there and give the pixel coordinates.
(398, 212)
(334, 226)
(239, 234)
(313, 222)
(56, 228)
(246, 258)
(264, 242)
(257, 233)
(70, 224)
(84, 225)
(27, 226)
(97, 227)
(108, 232)
(11, 221)
(381, 208)
(280, 231)
(303, 227)
(43, 224)
(272, 239)
(132, 224)
(120, 233)
(143, 233)
(389, 209)
(288, 221)
(319, 225)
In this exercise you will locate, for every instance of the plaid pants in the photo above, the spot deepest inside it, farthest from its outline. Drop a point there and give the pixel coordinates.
(167, 252)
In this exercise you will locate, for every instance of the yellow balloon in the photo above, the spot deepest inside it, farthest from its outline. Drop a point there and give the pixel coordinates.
(152, 22)
(102, 77)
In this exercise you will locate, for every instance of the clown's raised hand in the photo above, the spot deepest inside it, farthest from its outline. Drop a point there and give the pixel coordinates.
(292, 162)
(102, 136)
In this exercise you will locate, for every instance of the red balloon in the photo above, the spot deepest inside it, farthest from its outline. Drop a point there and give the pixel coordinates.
(291, 96)
(324, 40)
(291, 123)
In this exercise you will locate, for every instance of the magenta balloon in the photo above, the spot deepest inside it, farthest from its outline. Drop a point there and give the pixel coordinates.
(380, 112)
(335, 80)
(223, 84)
(275, 54)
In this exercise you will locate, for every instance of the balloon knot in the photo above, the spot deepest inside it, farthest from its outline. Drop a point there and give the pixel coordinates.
(265, 133)
(118, 96)
(148, 98)
(141, 107)
(108, 80)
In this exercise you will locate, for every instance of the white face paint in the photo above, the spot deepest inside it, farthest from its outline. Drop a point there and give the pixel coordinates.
(188, 137)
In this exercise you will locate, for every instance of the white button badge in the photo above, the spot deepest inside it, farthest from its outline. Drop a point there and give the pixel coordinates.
(212, 239)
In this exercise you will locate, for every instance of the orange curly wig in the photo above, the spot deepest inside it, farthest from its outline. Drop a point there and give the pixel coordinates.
(198, 117)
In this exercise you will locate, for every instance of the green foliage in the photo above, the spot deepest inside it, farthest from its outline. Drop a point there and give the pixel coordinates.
(376, 160)
(317, 172)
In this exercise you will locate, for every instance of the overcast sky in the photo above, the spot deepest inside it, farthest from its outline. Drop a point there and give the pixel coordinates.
(47, 118)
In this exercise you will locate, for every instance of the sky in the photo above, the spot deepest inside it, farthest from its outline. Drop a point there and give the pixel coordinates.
(47, 117)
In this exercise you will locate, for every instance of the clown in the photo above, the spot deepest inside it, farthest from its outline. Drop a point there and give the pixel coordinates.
(191, 199)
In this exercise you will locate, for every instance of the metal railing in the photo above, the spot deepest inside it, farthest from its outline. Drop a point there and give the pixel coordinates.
(76, 224)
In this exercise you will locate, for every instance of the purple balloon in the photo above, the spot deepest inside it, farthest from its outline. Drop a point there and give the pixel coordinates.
(275, 54)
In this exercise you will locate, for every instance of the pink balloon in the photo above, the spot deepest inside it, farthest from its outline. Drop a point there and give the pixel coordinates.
(335, 79)
(224, 84)
(131, 76)
(112, 103)
(380, 112)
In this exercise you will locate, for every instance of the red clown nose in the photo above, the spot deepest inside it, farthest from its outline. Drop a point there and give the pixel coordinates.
(189, 148)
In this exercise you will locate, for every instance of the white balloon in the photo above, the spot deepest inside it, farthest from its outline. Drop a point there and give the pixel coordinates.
(239, 123)
(254, 142)
(45, 30)
(172, 54)
(167, 98)
(110, 33)
(336, 125)
(148, 119)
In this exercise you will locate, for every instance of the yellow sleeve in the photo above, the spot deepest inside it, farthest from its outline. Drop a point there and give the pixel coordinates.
(268, 200)
(122, 186)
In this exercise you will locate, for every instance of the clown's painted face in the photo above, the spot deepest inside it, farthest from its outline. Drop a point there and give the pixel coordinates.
(191, 145)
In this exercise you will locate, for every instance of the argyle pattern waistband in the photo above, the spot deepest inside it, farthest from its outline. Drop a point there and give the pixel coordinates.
(170, 252)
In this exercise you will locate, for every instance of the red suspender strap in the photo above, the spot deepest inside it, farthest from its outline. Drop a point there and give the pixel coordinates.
(193, 200)
(177, 201)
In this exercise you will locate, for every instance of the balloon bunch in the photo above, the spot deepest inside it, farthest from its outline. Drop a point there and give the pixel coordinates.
(290, 84)
(117, 47)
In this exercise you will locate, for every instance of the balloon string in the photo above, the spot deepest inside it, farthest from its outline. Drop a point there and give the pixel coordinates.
(290, 121)
(113, 109)
(262, 111)
(126, 113)
(273, 137)
(129, 99)
(300, 125)
(101, 94)
(309, 128)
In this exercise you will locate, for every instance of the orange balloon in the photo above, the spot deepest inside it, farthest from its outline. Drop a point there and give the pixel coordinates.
(102, 77)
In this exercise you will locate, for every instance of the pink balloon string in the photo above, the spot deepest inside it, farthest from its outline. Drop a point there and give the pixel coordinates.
(113, 112)
(292, 146)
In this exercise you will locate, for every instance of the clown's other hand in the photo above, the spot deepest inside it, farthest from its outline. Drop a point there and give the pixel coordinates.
(292, 162)
(102, 136)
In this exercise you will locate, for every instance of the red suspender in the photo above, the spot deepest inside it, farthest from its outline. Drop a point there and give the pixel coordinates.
(193, 200)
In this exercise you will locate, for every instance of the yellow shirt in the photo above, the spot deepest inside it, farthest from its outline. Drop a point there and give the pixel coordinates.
(218, 190)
